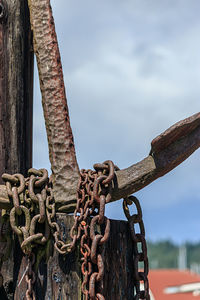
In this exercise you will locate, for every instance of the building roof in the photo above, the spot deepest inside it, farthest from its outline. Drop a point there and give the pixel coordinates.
(159, 280)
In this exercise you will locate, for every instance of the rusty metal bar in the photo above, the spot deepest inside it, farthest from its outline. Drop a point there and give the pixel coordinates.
(60, 138)
(168, 150)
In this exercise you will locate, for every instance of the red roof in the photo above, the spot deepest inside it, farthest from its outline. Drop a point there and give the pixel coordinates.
(161, 279)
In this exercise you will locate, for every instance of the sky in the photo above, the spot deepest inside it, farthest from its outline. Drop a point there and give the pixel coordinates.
(131, 70)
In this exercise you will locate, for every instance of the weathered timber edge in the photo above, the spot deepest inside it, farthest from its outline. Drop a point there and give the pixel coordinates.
(16, 88)
(16, 99)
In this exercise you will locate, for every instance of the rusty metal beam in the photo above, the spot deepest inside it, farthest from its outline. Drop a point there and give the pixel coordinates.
(168, 150)
(62, 156)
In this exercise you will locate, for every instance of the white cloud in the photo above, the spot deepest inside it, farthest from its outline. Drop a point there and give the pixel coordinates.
(132, 69)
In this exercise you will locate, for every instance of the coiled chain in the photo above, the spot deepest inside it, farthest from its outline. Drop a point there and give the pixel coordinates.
(33, 219)
(28, 215)
(33, 216)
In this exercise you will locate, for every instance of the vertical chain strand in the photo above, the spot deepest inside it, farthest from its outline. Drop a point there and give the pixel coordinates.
(92, 194)
(139, 248)
(28, 214)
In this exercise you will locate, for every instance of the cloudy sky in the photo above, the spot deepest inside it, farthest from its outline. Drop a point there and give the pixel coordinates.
(132, 69)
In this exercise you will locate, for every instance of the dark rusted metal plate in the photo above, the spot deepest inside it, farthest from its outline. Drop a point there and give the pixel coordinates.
(179, 130)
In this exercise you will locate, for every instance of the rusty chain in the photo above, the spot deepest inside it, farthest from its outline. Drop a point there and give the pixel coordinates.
(28, 216)
(92, 195)
(34, 208)
(139, 248)
(33, 218)
(30, 277)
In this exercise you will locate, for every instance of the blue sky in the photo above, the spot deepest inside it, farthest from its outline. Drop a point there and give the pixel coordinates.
(132, 69)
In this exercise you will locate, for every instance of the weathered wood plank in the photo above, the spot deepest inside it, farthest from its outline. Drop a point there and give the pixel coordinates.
(64, 272)
(60, 277)
(118, 279)
(16, 88)
(16, 96)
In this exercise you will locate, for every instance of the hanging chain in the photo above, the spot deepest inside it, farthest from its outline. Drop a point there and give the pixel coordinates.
(34, 214)
(33, 217)
(30, 277)
(140, 259)
(92, 195)
(28, 216)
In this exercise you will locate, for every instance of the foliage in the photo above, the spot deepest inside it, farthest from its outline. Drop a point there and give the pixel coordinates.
(164, 254)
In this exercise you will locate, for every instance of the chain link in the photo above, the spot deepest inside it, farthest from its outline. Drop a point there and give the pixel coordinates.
(33, 218)
(30, 277)
(92, 195)
(28, 218)
(139, 248)
(34, 214)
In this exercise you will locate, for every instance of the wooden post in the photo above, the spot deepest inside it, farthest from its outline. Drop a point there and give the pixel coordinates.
(60, 277)
(16, 95)
(16, 87)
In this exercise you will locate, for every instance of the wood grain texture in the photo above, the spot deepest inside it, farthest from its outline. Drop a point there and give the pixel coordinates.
(118, 278)
(16, 89)
(16, 97)
(60, 138)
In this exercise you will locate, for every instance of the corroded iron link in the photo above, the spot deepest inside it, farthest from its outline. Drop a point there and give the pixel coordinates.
(28, 195)
(92, 194)
(33, 218)
(139, 248)
(30, 278)
(28, 218)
